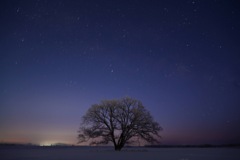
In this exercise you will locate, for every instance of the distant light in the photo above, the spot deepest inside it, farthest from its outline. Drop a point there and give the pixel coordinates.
(45, 144)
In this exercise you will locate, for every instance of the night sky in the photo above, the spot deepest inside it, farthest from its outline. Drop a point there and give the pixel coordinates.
(181, 58)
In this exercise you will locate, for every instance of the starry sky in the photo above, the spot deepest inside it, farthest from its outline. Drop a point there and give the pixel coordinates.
(180, 58)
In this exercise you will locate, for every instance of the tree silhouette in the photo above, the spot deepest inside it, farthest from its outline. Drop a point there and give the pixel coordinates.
(120, 122)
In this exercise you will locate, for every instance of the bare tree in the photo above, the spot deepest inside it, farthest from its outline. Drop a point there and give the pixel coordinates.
(120, 122)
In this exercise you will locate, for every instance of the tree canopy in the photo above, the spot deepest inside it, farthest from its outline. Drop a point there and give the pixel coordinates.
(120, 121)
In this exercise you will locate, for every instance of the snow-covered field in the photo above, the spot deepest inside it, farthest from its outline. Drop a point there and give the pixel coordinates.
(76, 153)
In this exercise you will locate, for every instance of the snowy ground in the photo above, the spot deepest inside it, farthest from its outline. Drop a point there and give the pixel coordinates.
(76, 153)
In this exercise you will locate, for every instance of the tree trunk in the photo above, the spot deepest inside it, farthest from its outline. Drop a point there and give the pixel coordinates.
(118, 147)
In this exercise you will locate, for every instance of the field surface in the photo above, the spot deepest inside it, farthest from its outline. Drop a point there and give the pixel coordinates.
(79, 153)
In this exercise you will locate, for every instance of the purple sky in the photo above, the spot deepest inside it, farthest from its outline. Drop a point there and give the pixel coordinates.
(180, 58)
